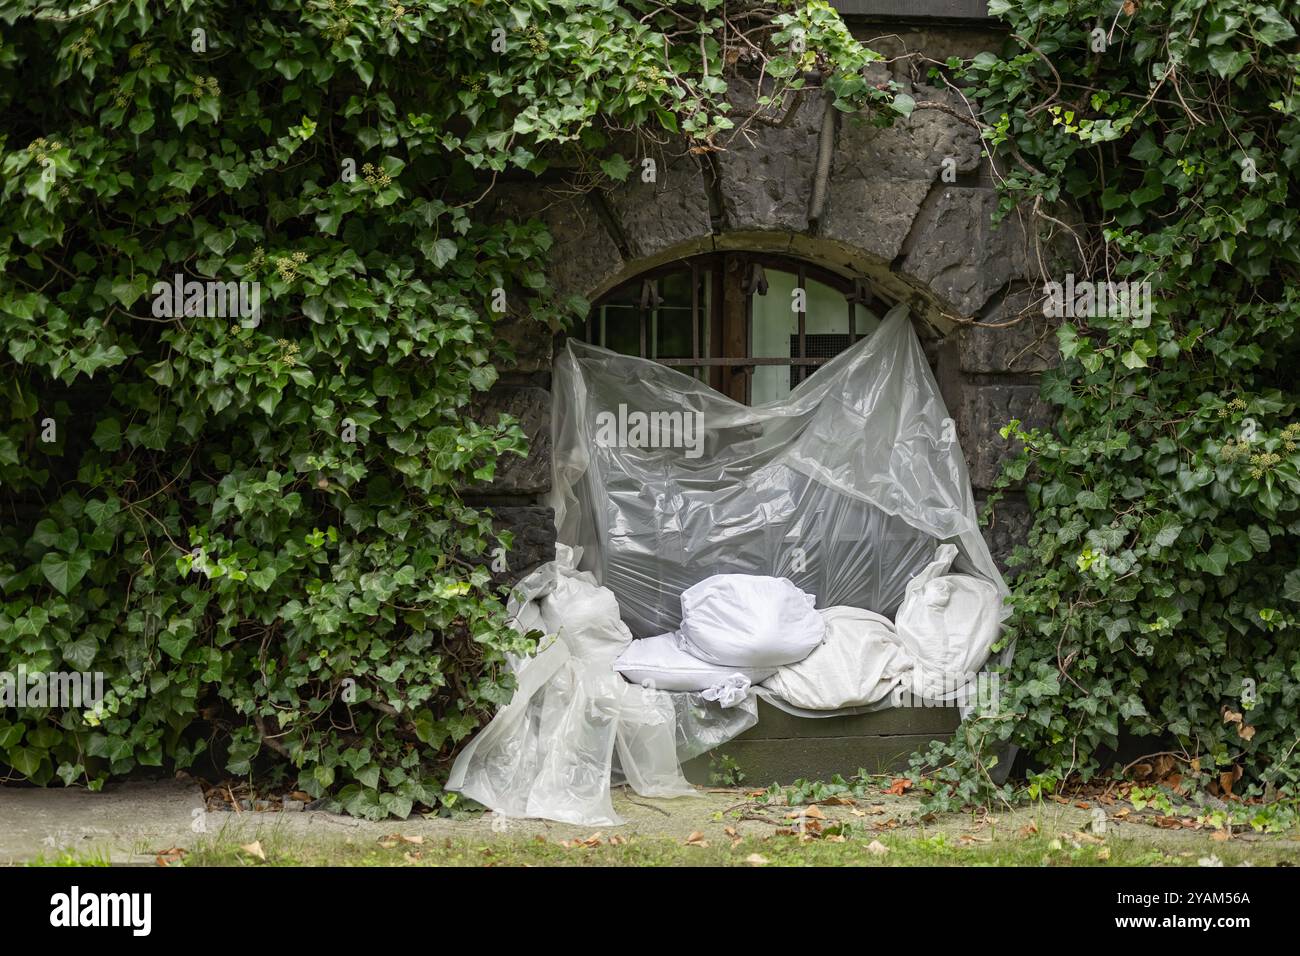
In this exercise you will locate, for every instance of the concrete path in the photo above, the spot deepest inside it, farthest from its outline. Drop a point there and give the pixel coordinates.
(133, 822)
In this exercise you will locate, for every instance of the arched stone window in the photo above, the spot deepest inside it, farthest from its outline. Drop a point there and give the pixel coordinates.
(752, 325)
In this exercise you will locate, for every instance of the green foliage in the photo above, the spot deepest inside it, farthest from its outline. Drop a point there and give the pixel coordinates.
(724, 771)
(251, 524)
(1161, 589)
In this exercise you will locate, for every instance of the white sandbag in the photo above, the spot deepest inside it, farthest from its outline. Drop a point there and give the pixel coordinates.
(947, 623)
(859, 663)
(660, 663)
(749, 620)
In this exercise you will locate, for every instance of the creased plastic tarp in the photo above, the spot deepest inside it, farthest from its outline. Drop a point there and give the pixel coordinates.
(551, 751)
(845, 487)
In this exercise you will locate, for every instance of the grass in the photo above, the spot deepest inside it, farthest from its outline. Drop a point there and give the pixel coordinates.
(938, 850)
(71, 858)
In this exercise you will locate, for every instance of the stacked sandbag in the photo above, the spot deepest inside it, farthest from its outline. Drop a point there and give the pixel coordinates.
(736, 630)
(947, 624)
(859, 663)
(749, 620)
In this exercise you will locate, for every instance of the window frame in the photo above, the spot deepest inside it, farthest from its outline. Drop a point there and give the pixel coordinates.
(731, 314)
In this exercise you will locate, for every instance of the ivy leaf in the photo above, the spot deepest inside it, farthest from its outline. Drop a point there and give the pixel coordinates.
(81, 652)
(1291, 586)
(1270, 27)
(1167, 535)
(440, 252)
(903, 104)
(616, 167)
(65, 572)
(1228, 62)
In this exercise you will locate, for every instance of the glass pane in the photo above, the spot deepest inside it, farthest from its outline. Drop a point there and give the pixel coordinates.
(776, 331)
(674, 333)
(622, 329)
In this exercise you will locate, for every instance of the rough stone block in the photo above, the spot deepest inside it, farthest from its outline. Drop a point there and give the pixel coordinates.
(583, 255)
(534, 538)
(1007, 526)
(1014, 336)
(767, 171)
(957, 251)
(515, 475)
(985, 409)
(531, 341)
(671, 211)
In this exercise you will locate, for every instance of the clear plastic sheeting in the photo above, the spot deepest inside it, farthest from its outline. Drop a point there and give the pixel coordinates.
(705, 724)
(845, 487)
(550, 752)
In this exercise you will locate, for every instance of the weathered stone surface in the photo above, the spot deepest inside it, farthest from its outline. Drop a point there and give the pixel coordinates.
(1007, 527)
(901, 42)
(583, 255)
(534, 539)
(531, 341)
(873, 215)
(1014, 336)
(956, 250)
(914, 147)
(767, 171)
(881, 177)
(985, 409)
(515, 475)
(672, 210)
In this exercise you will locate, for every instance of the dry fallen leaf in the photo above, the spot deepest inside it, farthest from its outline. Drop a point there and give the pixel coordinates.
(254, 849)
(1245, 731)
(1220, 835)
(837, 802)
(697, 839)
(899, 786)
(730, 831)
(876, 848)
(1028, 830)
(410, 857)
(1231, 716)
(616, 840)
(809, 813)
(170, 855)
(1103, 853)
(755, 859)
(417, 840)
(390, 841)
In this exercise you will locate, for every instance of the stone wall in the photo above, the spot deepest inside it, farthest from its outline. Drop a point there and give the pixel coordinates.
(909, 207)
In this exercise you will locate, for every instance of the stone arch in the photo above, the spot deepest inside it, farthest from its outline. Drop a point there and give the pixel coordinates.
(886, 214)
(909, 207)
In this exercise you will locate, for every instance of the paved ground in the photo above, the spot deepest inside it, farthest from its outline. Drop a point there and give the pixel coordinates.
(133, 822)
